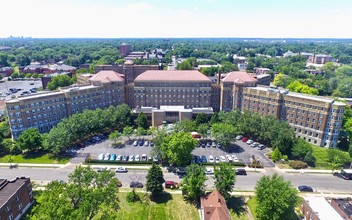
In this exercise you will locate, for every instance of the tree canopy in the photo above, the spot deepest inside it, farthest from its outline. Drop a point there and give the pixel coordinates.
(30, 140)
(155, 179)
(193, 183)
(224, 179)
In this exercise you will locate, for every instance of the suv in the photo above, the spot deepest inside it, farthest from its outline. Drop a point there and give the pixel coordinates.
(171, 184)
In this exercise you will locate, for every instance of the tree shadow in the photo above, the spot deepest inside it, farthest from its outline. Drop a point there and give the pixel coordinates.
(234, 148)
(237, 205)
(33, 154)
(163, 197)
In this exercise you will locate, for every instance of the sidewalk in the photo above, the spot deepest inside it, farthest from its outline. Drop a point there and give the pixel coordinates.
(35, 165)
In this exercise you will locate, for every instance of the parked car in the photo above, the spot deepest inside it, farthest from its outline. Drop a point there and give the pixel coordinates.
(101, 157)
(171, 184)
(141, 143)
(131, 158)
(229, 158)
(234, 158)
(209, 171)
(135, 184)
(261, 146)
(119, 157)
(146, 143)
(208, 144)
(211, 159)
(121, 170)
(144, 157)
(135, 143)
(107, 156)
(254, 144)
(222, 159)
(137, 158)
(213, 144)
(204, 159)
(180, 170)
(217, 160)
(244, 139)
(113, 157)
(151, 144)
(239, 137)
(155, 159)
(305, 189)
(249, 141)
(99, 169)
(125, 158)
(240, 171)
(119, 184)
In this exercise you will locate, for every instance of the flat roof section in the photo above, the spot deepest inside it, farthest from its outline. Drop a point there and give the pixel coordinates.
(322, 208)
(172, 75)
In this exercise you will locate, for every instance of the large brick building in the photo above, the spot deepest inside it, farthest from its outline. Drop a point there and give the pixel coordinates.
(168, 96)
(15, 197)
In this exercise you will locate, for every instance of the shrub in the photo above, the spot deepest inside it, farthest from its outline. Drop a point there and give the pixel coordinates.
(297, 164)
(132, 197)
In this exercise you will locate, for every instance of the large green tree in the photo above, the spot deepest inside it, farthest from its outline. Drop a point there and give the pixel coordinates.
(141, 121)
(193, 182)
(276, 198)
(224, 179)
(30, 140)
(114, 136)
(59, 81)
(155, 180)
(224, 133)
(177, 148)
(86, 195)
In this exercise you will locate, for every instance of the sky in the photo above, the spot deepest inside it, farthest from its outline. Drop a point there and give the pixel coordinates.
(176, 18)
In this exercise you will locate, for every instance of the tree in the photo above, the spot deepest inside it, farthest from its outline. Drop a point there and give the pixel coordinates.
(185, 126)
(336, 163)
(141, 121)
(185, 65)
(30, 140)
(59, 81)
(177, 148)
(127, 132)
(276, 155)
(225, 179)
(203, 129)
(224, 133)
(276, 198)
(114, 136)
(201, 118)
(301, 150)
(193, 182)
(86, 195)
(155, 179)
(350, 153)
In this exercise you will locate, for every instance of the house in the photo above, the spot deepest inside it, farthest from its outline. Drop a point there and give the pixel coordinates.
(317, 208)
(343, 207)
(213, 207)
(6, 71)
(15, 197)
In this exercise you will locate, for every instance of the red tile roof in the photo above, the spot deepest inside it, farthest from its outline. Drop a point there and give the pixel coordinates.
(173, 75)
(214, 206)
(239, 77)
(106, 76)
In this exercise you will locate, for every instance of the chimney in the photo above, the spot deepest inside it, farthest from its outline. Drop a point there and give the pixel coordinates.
(219, 76)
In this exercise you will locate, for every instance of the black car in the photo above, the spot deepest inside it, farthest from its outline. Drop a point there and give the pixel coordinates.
(240, 171)
(305, 189)
(135, 184)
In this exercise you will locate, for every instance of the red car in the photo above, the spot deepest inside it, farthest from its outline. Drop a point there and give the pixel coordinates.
(171, 184)
(244, 139)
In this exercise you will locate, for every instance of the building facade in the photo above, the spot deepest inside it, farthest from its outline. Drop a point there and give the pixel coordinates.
(172, 95)
(15, 197)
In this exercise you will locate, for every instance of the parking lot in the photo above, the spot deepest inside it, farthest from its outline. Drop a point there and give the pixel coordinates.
(21, 85)
(242, 150)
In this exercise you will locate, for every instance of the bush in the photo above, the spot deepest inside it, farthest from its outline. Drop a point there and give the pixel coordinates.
(132, 197)
(297, 164)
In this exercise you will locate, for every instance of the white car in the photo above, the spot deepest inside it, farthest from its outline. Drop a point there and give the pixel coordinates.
(209, 171)
(137, 158)
(239, 137)
(211, 159)
(234, 158)
(135, 143)
(249, 141)
(229, 158)
(254, 144)
(101, 157)
(217, 160)
(222, 159)
(119, 157)
(131, 158)
(146, 143)
(121, 170)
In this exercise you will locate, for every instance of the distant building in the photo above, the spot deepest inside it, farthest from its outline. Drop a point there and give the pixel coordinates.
(263, 79)
(289, 54)
(83, 78)
(124, 49)
(42, 68)
(213, 207)
(343, 207)
(321, 59)
(15, 197)
(260, 70)
(317, 208)
(6, 71)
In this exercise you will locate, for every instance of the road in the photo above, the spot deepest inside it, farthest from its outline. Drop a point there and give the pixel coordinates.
(319, 182)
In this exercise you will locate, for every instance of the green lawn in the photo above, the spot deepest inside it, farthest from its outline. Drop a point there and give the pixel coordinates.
(321, 157)
(168, 206)
(252, 205)
(40, 158)
(237, 208)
